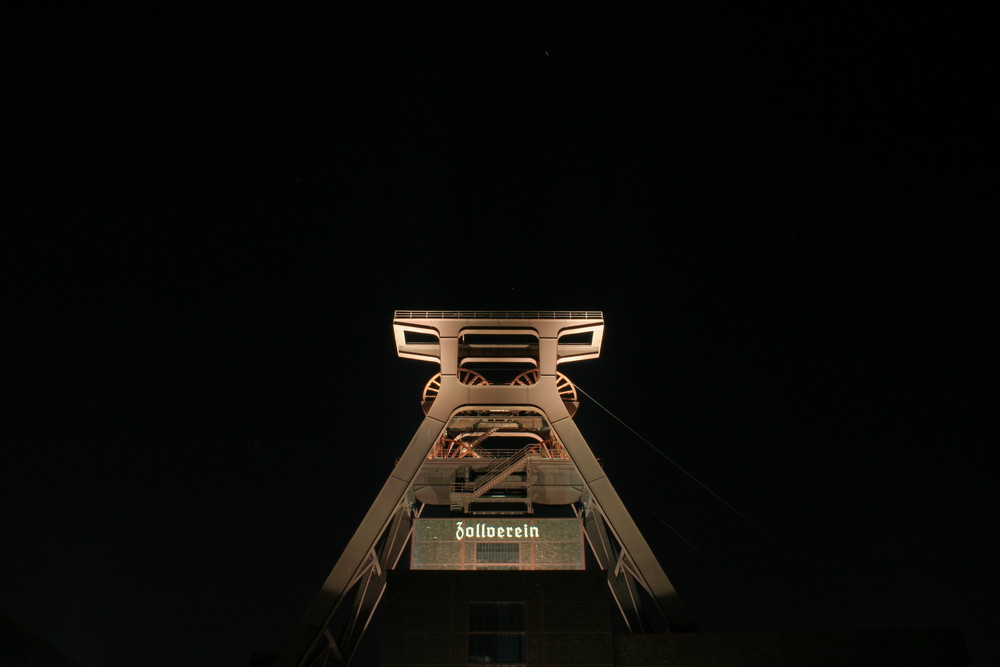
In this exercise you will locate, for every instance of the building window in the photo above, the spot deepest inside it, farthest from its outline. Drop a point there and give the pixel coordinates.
(494, 555)
(496, 633)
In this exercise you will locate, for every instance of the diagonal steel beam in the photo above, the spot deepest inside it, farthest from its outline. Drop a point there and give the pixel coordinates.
(372, 586)
(608, 555)
(308, 638)
(649, 573)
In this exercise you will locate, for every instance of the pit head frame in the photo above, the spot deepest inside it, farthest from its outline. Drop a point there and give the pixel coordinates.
(505, 364)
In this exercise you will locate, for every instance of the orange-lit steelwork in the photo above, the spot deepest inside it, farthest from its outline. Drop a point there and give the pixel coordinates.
(497, 442)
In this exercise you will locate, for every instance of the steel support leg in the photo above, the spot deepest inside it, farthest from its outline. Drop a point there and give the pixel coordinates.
(354, 566)
(620, 581)
(372, 586)
(636, 556)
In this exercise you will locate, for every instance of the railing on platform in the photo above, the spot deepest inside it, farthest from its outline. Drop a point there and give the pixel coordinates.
(498, 314)
(548, 449)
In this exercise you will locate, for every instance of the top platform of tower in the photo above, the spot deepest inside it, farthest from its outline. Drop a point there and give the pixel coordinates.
(547, 336)
(499, 315)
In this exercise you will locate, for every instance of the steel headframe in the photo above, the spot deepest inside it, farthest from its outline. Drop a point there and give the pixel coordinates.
(378, 543)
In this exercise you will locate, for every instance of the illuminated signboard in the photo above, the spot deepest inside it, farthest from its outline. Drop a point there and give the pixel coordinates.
(472, 543)
(480, 530)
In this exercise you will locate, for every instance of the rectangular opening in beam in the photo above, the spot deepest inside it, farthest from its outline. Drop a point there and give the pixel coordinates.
(419, 338)
(582, 338)
(498, 340)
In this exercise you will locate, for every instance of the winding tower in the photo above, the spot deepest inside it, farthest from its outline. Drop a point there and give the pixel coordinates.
(497, 443)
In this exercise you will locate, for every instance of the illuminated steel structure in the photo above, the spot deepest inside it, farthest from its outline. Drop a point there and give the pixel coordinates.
(499, 383)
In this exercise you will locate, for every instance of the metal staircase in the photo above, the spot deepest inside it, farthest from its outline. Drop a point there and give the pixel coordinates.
(463, 493)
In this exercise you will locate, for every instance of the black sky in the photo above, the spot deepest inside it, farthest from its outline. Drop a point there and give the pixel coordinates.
(787, 215)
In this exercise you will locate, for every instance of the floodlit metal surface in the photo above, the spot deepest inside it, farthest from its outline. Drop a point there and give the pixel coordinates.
(470, 421)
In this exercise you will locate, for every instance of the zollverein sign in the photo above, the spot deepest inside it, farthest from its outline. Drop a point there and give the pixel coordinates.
(516, 543)
(487, 530)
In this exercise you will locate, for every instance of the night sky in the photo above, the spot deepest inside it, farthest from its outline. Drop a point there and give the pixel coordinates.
(787, 215)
